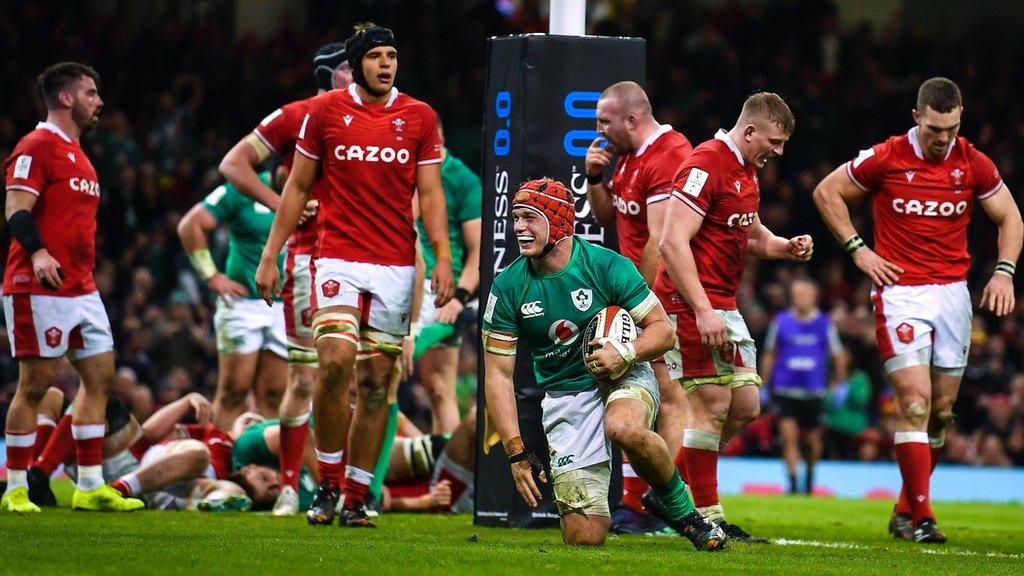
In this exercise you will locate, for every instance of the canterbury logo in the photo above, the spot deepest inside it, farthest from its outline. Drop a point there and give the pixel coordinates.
(531, 309)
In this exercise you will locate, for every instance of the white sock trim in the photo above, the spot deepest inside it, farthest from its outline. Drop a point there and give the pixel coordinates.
(910, 438)
(701, 440)
(17, 479)
(90, 477)
(295, 421)
(359, 475)
(87, 431)
(330, 457)
(44, 420)
(20, 440)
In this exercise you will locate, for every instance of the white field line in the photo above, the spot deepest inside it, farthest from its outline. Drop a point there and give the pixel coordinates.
(934, 551)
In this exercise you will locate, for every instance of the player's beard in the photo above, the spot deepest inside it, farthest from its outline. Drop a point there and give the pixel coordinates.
(83, 119)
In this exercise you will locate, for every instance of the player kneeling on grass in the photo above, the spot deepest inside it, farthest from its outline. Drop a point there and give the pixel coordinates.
(558, 285)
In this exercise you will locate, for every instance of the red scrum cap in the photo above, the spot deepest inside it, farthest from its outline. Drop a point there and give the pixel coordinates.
(552, 200)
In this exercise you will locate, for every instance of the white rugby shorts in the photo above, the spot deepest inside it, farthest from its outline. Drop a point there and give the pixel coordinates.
(41, 326)
(381, 293)
(248, 325)
(909, 319)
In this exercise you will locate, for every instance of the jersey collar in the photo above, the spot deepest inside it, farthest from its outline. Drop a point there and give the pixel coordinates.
(355, 95)
(724, 137)
(916, 144)
(664, 128)
(55, 129)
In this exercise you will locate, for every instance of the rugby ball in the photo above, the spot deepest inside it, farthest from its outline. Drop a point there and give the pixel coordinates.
(612, 324)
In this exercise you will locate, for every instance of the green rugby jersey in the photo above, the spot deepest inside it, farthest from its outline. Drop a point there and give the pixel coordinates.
(248, 225)
(549, 312)
(464, 196)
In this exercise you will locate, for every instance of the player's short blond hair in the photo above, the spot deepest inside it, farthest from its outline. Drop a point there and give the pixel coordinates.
(631, 96)
(768, 107)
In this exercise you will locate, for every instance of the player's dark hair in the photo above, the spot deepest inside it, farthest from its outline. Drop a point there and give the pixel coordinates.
(259, 501)
(939, 94)
(771, 107)
(59, 76)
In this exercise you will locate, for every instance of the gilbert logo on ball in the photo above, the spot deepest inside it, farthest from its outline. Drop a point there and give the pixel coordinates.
(611, 325)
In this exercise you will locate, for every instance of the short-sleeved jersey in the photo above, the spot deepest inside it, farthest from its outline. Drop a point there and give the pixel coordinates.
(218, 443)
(718, 184)
(50, 165)
(548, 312)
(463, 194)
(922, 207)
(641, 178)
(279, 132)
(369, 155)
(248, 225)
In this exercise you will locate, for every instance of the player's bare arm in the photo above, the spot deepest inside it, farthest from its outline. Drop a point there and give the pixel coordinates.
(650, 259)
(767, 246)
(656, 338)
(832, 196)
(239, 167)
(681, 225)
(598, 195)
(998, 296)
(501, 407)
(18, 211)
(163, 421)
(470, 278)
(434, 211)
(297, 191)
(193, 229)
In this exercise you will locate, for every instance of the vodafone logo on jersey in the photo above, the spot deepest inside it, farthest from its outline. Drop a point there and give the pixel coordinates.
(563, 332)
(372, 154)
(90, 187)
(928, 207)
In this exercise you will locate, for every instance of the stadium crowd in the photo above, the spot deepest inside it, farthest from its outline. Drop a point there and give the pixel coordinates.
(171, 80)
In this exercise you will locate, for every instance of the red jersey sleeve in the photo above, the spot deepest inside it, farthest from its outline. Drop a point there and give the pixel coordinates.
(310, 143)
(868, 168)
(27, 168)
(694, 184)
(985, 175)
(276, 131)
(661, 172)
(429, 151)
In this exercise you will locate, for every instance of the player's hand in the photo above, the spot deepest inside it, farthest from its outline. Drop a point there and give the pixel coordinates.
(604, 360)
(449, 312)
(268, 280)
(201, 407)
(712, 329)
(998, 295)
(442, 282)
(47, 270)
(408, 351)
(522, 473)
(309, 211)
(227, 288)
(441, 495)
(881, 271)
(597, 157)
(801, 248)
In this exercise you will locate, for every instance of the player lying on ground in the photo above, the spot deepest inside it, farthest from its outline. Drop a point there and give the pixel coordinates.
(557, 285)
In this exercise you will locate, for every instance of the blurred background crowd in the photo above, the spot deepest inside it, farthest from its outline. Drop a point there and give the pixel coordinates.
(183, 81)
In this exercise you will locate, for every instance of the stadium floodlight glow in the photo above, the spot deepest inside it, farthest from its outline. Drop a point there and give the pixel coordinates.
(568, 18)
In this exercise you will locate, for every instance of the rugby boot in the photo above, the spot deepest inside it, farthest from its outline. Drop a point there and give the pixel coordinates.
(106, 499)
(927, 532)
(287, 503)
(39, 488)
(901, 526)
(324, 506)
(17, 501)
(702, 533)
(355, 516)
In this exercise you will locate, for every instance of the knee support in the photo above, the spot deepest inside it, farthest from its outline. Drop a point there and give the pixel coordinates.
(305, 355)
(374, 343)
(343, 325)
(919, 357)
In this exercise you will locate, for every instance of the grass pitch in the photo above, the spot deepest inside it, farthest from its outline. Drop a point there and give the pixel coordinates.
(814, 536)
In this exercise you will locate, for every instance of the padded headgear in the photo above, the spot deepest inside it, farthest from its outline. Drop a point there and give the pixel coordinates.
(362, 42)
(325, 62)
(552, 200)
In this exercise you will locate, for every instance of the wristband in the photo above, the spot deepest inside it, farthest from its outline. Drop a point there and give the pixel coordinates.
(854, 243)
(595, 179)
(442, 249)
(23, 228)
(1006, 267)
(514, 447)
(463, 295)
(202, 261)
